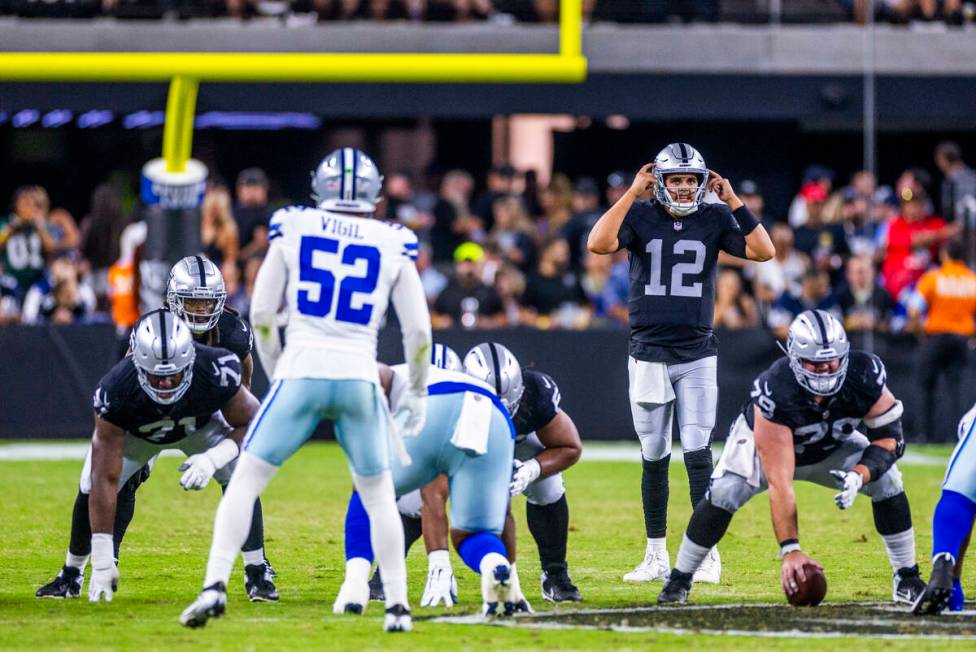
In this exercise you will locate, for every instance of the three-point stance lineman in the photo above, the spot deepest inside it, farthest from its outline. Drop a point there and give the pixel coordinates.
(169, 393)
(674, 241)
(338, 271)
(800, 423)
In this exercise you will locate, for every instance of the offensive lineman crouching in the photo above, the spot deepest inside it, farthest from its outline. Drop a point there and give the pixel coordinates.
(165, 395)
(799, 424)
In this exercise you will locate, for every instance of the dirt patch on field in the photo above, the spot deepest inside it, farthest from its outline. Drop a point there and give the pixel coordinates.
(879, 620)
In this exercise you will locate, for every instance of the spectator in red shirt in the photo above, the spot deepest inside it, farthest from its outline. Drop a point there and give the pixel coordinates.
(914, 237)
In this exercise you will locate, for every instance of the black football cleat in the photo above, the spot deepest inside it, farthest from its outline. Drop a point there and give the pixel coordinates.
(935, 598)
(66, 585)
(376, 587)
(557, 587)
(259, 583)
(676, 589)
(907, 585)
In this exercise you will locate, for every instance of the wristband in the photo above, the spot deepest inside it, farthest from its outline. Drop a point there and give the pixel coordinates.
(788, 546)
(225, 452)
(745, 219)
(102, 550)
(535, 469)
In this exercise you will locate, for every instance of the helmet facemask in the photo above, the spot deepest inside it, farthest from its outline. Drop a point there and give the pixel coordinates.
(821, 384)
(192, 307)
(149, 381)
(670, 197)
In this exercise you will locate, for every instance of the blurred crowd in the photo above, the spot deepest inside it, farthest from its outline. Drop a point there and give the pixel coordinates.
(506, 251)
(951, 12)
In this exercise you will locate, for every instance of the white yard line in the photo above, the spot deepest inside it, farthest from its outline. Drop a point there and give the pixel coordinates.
(592, 452)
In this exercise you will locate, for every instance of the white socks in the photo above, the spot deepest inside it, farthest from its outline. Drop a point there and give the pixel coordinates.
(357, 571)
(657, 545)
(76, 561)
(690, 555)
(253, 557)
(233, 519)
(385, 533)
(901, 548)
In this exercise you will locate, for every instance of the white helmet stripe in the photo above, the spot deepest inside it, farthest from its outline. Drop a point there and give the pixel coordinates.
(496, 367)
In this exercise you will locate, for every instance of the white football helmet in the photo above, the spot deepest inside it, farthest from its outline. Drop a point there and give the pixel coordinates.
(494, 364)
(348, 181)
(444, 357)
(817, 336)
(680, 158)
(162, 346)
(197, 279)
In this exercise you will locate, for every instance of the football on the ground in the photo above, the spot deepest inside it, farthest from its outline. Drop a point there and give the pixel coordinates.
(812, 591)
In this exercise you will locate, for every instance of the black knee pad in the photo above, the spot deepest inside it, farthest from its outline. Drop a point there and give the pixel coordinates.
(708, 524)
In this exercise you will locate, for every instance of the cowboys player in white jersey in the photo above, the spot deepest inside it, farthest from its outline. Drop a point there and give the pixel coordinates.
(673, 242)
(337, 271)
(801, 423)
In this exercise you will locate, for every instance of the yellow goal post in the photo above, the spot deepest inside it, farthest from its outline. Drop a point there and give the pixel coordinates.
(185, 71)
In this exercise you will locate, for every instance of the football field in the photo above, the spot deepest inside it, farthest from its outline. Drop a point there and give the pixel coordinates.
(164, 555)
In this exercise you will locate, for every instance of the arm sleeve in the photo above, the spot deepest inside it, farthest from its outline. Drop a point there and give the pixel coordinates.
(411, 309)
(268, 289)
(733, 241)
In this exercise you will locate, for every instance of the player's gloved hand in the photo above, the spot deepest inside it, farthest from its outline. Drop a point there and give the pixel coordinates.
(957, 599)
(850, 482)
(441, 586)
(105, 574)
(198, 469)
(411, 414)
(525, 473)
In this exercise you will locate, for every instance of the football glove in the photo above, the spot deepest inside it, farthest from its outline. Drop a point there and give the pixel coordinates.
(441, 585)
(525, 473)
(850, 482)
(198, 469)
(411, 414)
(105, 574)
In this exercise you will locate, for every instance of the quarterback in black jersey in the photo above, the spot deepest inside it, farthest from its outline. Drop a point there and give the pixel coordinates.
(673, 240)
(803, 422)
(169, 392)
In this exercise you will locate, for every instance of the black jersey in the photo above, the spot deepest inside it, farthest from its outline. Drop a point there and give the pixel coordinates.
(817, 428)
(231, 333)
(672, 278)
(539, 404)
(120, 400)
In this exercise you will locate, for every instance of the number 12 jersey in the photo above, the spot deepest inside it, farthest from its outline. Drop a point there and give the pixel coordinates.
(672, 278)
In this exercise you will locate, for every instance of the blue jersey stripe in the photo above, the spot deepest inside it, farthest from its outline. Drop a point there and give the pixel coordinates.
(260, 415)
(452, 387)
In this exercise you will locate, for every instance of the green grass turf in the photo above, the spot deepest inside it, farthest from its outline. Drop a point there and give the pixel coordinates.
(164, 556)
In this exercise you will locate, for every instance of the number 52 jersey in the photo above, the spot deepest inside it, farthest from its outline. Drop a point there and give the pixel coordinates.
(672, 278)
(340, 272)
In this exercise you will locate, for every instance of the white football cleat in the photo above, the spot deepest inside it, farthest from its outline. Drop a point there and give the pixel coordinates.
(710, 571)
(211, 603)
(521, 605)
(656, 566)
(397, 619)
(352, 599)
(496, 586)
